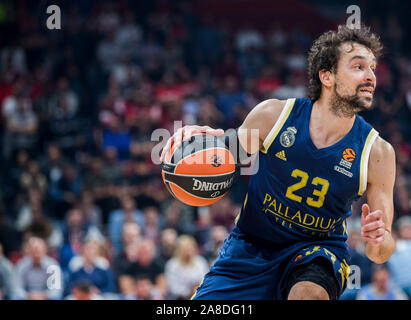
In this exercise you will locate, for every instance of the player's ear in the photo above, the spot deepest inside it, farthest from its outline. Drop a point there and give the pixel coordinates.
(326, 78)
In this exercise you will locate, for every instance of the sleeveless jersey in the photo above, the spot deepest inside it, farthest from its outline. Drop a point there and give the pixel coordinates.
(300, 192)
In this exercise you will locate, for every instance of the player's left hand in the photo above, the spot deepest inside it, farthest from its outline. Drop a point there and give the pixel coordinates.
(372, 226)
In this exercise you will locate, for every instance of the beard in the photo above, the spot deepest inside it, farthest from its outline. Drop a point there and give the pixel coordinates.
(347, 106)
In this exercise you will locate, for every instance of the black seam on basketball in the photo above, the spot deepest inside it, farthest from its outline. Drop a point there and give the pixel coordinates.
(208, 187)
(171, 190)
(195, 196)
(168, 167)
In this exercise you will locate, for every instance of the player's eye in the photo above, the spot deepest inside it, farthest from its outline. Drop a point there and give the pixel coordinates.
(357, 66)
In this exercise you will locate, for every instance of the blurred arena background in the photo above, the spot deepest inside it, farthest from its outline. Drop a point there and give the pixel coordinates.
(78, 106)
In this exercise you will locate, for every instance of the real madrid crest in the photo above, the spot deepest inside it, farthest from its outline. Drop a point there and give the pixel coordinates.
(287, 138)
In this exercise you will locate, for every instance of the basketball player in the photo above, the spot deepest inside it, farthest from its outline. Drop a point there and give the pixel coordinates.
(316, 156)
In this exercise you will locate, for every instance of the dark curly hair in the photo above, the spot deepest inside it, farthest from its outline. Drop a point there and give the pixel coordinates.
(325, 52)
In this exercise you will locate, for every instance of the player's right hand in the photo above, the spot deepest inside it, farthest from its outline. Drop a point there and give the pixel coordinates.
(186, 133)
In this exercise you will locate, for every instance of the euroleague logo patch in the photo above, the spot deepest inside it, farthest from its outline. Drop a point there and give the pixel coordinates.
(346, 161)
(349, 155)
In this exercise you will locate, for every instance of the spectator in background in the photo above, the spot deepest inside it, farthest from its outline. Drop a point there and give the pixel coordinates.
(19, 165)
(209, 113)
(268, 81)
(111, 165)
(381, 287)
(228, 98)
(131, 233)
(21, 128)
(67, 127)
(186, 269)
(33, 178)
(148, 264)
(168, 242)
(94, 178)
(227, 67)
(65, 191)
(139, 258)
(10, 238)
(91, 266)
(131, 239)
(224, 212)
(129, 34)
(52, 163)
(117, 136)
(108, 51)
(251, 62)
(13, 58)
(400, 262)
(33, 271)
(34, 199)
(248, 37)
(152, 226)
(294, 86)
(208, 41)
(6, 277)
(42, 227)
(123, 265)
(92, 213)
(213, 245)
(83, 290)
(76, 231)
(145, 290)
(176, 218)
(117, 219)
(71, 101)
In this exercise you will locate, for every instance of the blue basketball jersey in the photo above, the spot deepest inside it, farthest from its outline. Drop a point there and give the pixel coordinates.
(300, 192)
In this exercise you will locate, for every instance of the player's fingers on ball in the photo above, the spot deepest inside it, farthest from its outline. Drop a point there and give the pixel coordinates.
(189, 132)
(178, 137)
(165, 149)
(215, 132)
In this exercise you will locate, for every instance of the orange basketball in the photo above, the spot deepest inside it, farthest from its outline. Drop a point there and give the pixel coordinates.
(200, 172)
(349, 155)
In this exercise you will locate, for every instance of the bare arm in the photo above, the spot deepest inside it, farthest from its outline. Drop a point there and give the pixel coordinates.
(377, 215)
(258, 123)
(261, 118)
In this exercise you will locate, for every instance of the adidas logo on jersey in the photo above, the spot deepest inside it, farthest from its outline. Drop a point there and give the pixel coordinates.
(281, 155)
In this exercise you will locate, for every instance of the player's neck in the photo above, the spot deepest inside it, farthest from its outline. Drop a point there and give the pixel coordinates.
(326, 128)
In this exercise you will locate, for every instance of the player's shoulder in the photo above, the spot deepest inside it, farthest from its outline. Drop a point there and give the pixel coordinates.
(270, 106)
(381, 150)
(264, 116)
(382, 160)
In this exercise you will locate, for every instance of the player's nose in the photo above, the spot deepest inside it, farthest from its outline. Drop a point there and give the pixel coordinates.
(370, 77)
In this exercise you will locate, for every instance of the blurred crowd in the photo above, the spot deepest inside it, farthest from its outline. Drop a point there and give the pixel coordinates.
(84, 213)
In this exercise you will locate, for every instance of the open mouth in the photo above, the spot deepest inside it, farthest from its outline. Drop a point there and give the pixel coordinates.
(368, 92)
